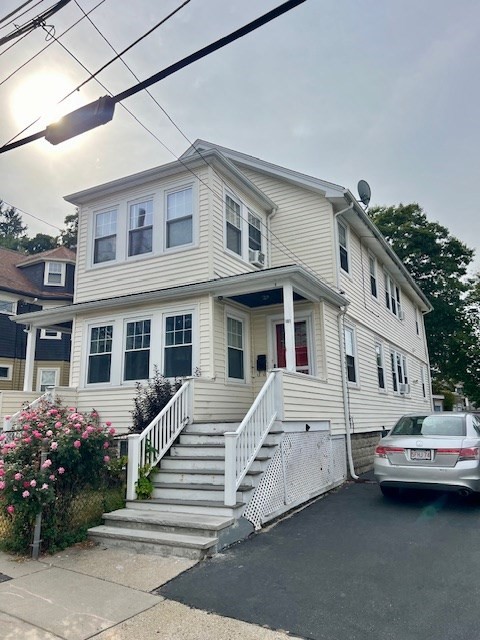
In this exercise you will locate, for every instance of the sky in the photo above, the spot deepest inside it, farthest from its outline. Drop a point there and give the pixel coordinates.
(338, 89)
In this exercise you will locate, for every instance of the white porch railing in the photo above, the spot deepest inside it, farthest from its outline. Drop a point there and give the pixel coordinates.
(242, 445)
(146, 449)
(9, 421)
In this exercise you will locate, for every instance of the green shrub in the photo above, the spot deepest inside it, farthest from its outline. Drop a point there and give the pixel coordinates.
(151, 398)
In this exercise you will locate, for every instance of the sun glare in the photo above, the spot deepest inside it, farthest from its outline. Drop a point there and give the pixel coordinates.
(38, 96)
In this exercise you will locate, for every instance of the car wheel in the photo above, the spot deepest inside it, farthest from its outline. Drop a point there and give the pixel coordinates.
(390, 492)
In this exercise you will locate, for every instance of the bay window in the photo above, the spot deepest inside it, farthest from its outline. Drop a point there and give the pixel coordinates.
(179, 218)
(105, 242)
(140, 227)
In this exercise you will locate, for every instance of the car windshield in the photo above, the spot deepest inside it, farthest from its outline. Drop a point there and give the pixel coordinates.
(430, 426)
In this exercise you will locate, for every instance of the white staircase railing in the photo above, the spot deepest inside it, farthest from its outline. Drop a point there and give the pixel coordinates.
(242, 445)
(9, 421)
(146, 449)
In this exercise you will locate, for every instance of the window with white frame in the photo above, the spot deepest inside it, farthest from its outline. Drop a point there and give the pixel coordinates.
(46, 379)
(380, 366)
(100, 354)
(392, 296)
(233, 225)
(5, 372)
(399, 372)
(243, 231)
(137, 350)
(350, 357)
(105, 237)
(179, 218)
(373, 276)
(417, 325)
(235, 348)
(140, 228)
(7, 306)
(178, 346)
(423, 373)
(342, 245)
(254, 232)
(54, 274)
(49, 334)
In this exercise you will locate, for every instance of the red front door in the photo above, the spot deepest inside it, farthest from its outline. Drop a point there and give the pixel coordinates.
(301, 351)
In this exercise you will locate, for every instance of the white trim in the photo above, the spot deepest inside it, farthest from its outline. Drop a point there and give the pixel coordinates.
(244, 212)
(300, 316)
(347, 326)
(378, 343)
(182, 185)
(47, 273)
(13, 302)
(44, 336)
(9, 367)
(42, 370)
(345, 247)
(372, 257)
(235, 314)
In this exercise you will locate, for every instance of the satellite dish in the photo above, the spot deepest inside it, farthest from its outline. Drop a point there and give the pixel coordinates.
(364, 192)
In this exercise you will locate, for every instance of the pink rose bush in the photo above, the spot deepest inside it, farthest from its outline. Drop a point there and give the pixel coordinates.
(56, 453)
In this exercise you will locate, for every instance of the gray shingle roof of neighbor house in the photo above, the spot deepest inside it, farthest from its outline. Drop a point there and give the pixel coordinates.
(13, 278)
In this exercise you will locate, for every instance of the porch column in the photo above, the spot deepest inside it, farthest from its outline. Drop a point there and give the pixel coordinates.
(29, 358)
(289, 323)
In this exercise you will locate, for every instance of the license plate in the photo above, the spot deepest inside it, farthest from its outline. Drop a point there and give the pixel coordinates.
(420, 454)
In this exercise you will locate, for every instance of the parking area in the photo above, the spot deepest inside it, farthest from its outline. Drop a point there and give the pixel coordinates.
(352, 565)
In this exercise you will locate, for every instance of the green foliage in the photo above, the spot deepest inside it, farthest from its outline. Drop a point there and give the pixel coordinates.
(448, 400)
(144, 486)
(68, 237)
(438, 263)
(39, 243)
(12, 229)
(151, 398)
(58, 455)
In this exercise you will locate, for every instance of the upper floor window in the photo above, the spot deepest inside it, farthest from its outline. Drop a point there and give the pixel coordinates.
(254, 232)
(54, 274)
(49, 334)
(392, 296)
(105, 242)
(179, 218)
(342, 245)
(7, 306)
(140, 225)
(233, 225)
(380, 366)
(350, 355)
(373, 276)
(417, 325)
(424, 381)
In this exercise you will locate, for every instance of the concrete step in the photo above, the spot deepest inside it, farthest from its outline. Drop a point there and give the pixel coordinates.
(184, 523)
(194, 547)
(210, 507)
(216, 463)
(183, 475)
(211, 427)
(201, 437)
(180, 491)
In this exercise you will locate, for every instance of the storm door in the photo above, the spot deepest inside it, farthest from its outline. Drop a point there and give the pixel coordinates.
(301, 346)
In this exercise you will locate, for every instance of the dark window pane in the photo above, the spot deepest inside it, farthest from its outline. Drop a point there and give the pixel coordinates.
(105, 249)
(170, 323)
(234, 239)
(351, 369)
(178, 362)
(137, 365)
(99, 368)
(235, 364)
(179, 232)
(4, 372)
(381, 378)
(344, 259)
(373, 286)
(140, 241)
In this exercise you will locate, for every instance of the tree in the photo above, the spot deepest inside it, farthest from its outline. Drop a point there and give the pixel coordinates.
(12, 229)
(37, 244)
(438, 263)
(68, 237)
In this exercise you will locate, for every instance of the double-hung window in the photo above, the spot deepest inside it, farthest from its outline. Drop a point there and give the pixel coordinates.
(233, 225)
(105, 242)
(399, 372)
(254, 232)
(373, 276)
(179, 218)
(140, 228)
(350, 358)
(342, 245)
(235, 346)
(424, 381)
(137, 350)
(392, 296)
(178, 346)
(55, 274)
(100, 354)
(380, 366)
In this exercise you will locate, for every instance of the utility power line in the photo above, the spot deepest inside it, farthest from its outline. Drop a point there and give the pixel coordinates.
(34, 23)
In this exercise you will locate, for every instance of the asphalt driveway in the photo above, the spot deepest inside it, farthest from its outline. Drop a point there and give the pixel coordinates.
(352, 566)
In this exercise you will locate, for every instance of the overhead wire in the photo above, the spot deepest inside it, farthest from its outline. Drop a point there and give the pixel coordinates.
(26, 213)
(12, 13)
(34, 23)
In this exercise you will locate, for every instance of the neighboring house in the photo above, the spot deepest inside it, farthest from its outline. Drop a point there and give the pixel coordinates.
(277, 300)
(27, 284)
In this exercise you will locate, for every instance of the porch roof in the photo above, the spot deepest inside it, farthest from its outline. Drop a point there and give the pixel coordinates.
(253, 289)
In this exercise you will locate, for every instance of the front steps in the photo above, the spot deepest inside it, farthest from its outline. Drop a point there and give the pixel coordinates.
(186, 515)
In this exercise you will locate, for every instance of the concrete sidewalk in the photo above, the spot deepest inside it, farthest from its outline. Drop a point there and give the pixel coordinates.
(93, 592)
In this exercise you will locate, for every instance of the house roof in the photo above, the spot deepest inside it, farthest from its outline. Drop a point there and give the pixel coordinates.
(241, 287)
(14, 280)
(59, 254)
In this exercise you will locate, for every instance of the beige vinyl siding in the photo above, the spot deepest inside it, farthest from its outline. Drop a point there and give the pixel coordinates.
(306, 398)
(13, 401)
(148, 272)
(301, 215)
(217, 401)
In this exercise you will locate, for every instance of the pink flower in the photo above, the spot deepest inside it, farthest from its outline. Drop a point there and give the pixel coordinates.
(54, 446)
(25, 494)
(61, 470)
(2, 485)
(44, 485)
(47, 464)
(106, 458)
(77, 444)
(49, 433)
(85, 435)
(11, 509)
(7, 417)
(26, 484)
(58, 425)
(18, 476)
(27, 440)
(111, 431)
(72, 409)
(33, 483)
(106, 445)
(2, 471)
(51, 476)
(67, 431)
(89, 429)
(108, 423)
(37, 434)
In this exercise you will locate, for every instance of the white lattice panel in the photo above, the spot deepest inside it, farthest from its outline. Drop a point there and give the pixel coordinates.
(303, 465)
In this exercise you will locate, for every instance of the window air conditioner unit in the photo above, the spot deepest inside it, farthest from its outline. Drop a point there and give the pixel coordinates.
(404, 389)
(257, 258)
(401, 313)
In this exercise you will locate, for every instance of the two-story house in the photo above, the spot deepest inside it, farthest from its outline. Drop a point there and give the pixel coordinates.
(27, 284)
(297, 330)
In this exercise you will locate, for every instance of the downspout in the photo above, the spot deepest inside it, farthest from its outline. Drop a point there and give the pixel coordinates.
(346, 408)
